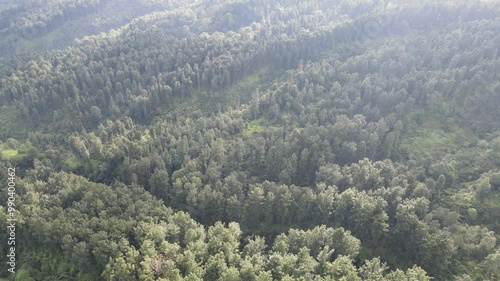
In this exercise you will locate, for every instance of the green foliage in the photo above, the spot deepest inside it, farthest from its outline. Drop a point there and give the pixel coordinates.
(255, 126)
(71, 163)
(14, 152)
(426, 142)
(12, 123)
(295, 140)
(495, 180)
(10, 153)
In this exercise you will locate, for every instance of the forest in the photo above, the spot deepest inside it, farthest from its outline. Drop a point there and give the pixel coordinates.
(250, 140)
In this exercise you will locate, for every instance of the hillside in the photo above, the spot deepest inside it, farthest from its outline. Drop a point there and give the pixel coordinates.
(251, 139)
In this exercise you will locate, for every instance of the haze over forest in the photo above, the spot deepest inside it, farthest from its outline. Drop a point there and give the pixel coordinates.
(250, 140)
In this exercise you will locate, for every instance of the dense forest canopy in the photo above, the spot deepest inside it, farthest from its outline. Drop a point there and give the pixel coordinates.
(250, 140)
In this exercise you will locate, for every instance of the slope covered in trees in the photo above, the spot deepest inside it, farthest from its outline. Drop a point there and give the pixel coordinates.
(254, 140)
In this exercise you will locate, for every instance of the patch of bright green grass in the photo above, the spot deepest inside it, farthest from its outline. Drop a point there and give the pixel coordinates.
(12, 155)
(255, 126)
(469, 195)
(259, 125)
(9, 153)
(429, 143)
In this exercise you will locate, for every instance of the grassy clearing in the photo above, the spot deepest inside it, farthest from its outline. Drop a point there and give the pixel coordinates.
(429, 143)
(236, 94)
(13, 151)
(255, 126)
(10, 153)
(13, 155)
(425, 136)
(206, 102)
(243, 89)
(259, 125)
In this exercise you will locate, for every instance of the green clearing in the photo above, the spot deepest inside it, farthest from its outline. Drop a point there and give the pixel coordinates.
(236, 94)
(429, 143)
(13, 155)
(255, 126)
(424, 136)
(259, 125)
(244, 88)
(205, 102)
(10, 153)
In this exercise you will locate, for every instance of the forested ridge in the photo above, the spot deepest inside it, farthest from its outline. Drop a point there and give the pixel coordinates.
(251, 139)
